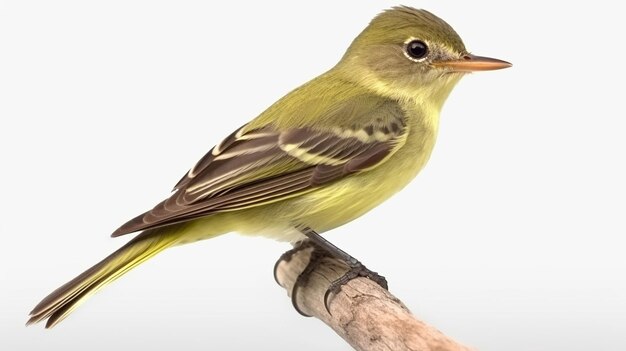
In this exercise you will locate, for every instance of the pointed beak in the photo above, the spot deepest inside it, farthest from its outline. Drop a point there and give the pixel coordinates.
(471, 63)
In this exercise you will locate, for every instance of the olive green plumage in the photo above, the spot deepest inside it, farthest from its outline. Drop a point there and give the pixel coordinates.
(321, 156)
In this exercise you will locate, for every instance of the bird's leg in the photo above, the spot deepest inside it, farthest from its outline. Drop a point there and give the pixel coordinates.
(357, 269)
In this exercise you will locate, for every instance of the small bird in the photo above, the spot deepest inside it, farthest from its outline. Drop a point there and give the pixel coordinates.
(321, 156)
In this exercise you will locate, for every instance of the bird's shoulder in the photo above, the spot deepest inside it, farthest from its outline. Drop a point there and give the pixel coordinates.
(330, 102)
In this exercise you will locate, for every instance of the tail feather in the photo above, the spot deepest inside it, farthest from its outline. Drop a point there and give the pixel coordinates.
(61, 302)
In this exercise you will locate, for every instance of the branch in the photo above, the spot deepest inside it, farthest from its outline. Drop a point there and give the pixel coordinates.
(367, 316)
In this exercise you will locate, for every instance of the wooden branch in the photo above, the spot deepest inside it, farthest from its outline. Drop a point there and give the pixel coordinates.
(367, 316)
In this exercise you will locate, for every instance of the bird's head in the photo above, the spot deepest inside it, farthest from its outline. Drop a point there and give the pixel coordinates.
(409, 53)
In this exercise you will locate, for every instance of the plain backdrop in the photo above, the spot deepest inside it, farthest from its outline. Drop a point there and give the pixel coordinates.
(512, 238)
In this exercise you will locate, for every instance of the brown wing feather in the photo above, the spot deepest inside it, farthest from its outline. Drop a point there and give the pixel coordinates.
(263, 166)
(207, 159)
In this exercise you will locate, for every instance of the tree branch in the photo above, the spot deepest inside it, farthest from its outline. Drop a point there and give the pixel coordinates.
(367, 316)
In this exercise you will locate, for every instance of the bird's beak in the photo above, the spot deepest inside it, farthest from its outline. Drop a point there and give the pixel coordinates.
(471, 63)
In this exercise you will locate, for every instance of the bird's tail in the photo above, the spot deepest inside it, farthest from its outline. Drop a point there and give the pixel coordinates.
(61, 302)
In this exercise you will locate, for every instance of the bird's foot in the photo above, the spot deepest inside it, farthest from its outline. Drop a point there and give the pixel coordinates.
(323, 248)
(316, 256)
(286, 257)
(357, 269)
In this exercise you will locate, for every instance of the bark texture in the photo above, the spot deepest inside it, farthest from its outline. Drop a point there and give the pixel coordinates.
(367, 316)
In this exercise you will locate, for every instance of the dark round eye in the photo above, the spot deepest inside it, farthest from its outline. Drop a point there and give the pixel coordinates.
(416, 49)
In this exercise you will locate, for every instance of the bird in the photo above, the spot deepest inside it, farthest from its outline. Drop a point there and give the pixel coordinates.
(319, 157)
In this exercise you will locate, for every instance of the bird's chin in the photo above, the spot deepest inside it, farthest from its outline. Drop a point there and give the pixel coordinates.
(452, 75)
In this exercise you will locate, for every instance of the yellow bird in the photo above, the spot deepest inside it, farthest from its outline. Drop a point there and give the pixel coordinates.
(321, 156)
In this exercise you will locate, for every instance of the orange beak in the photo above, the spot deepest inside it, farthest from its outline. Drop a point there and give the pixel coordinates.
(471, 63)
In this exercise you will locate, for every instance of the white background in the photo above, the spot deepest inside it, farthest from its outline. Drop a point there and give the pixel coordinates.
(512, 238)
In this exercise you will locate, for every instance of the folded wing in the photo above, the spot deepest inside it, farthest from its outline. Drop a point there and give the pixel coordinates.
(256, 167)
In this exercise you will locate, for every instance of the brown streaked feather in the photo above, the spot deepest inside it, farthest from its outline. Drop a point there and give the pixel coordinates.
(261, 166)
(254, 193)
(206, 159)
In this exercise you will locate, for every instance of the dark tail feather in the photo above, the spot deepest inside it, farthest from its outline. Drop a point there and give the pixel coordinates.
(61, 302)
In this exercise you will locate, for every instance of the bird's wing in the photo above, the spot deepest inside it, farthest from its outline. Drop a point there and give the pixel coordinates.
(264, 165)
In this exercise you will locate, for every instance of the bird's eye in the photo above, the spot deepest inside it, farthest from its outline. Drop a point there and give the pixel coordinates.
(416, 50)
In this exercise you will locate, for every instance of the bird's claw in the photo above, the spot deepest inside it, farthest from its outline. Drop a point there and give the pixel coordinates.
(321, 249)
(357, 269)
(300, 245)
(303, 277)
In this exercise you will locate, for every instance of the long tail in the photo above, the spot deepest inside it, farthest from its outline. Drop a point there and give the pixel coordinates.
(61, 302)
